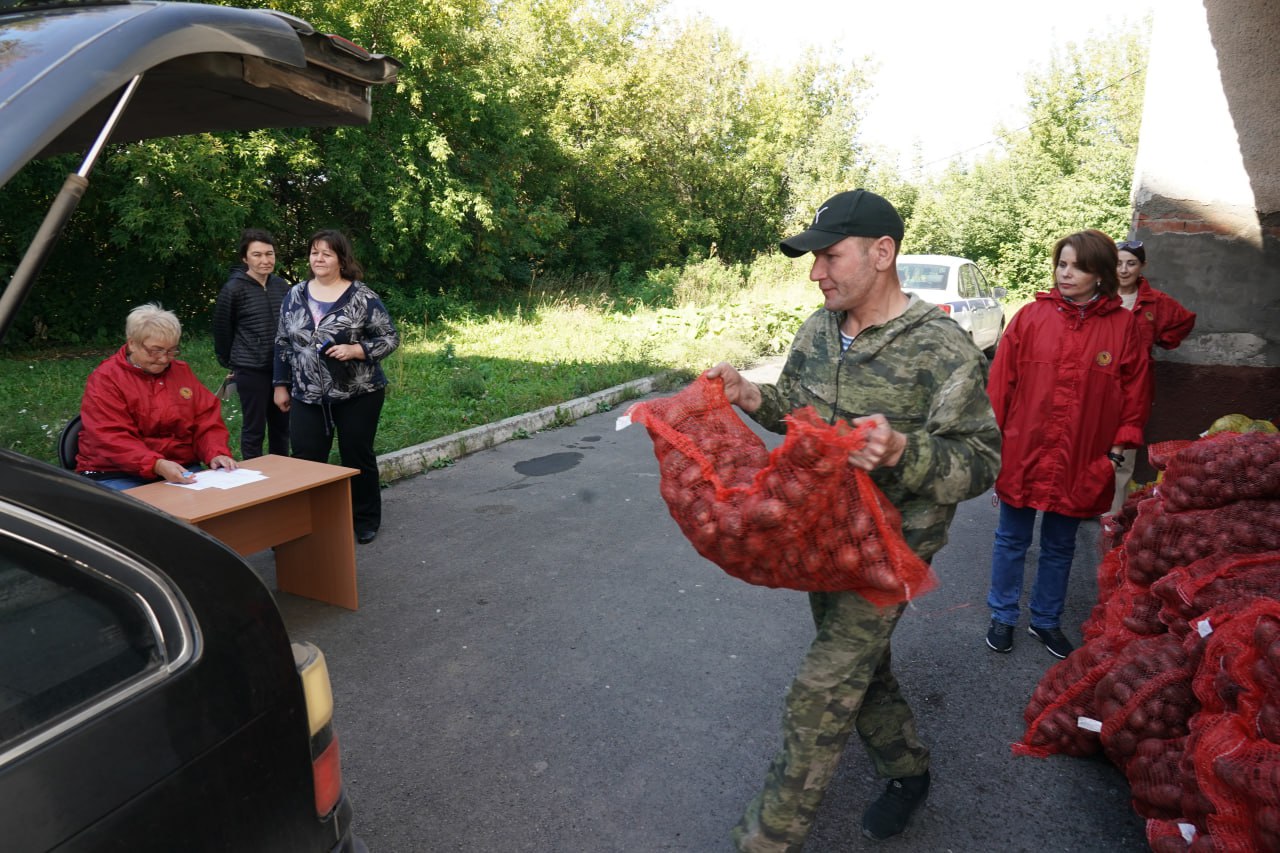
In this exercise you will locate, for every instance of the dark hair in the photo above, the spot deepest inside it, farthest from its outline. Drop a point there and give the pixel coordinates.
(255, 235)
(1135, 248)
(347, 263)
(1095, 254)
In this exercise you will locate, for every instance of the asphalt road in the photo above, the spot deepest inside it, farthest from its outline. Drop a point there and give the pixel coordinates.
(541, 662)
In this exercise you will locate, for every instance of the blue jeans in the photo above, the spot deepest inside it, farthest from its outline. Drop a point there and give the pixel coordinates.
(120, 482)
(1009, 562)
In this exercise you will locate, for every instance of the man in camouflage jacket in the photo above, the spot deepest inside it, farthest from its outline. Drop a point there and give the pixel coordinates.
(872, 353)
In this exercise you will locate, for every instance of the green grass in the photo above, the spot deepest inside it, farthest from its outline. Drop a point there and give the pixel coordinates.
(452, 373)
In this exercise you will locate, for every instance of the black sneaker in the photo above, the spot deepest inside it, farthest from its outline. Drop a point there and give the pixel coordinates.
(1000, 637)
(1054, 640)
(888, 815)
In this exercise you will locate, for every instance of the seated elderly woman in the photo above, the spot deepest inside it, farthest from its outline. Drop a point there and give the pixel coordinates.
(145, 415)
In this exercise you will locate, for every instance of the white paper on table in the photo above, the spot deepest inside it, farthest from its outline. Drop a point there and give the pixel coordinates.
(221, 478)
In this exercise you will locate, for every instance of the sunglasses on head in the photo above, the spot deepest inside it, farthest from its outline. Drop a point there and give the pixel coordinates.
(1126, 245)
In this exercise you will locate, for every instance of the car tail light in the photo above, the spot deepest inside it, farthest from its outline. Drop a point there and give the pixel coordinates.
(326, 763)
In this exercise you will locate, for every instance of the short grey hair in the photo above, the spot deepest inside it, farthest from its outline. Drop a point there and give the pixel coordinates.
(150, 319)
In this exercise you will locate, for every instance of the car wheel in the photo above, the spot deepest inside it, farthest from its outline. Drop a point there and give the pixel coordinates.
(990, 352)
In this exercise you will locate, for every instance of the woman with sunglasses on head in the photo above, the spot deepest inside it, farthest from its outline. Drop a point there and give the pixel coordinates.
(145, 415)
(1068, 388)
(1162, 322)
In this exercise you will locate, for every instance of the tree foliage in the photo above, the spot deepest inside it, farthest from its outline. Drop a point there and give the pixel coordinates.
(560, 138)
(1069, 168)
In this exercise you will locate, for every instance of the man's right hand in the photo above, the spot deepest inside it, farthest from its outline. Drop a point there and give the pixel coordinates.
(281, 397)
(740, 392)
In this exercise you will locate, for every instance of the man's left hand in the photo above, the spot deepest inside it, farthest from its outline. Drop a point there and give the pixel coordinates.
(884, 445)
(225, 462)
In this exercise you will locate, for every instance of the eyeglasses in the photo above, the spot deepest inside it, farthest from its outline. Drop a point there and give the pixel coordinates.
(1126, 245)
(157, 352)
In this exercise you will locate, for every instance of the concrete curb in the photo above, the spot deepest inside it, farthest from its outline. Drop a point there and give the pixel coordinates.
(414, 460)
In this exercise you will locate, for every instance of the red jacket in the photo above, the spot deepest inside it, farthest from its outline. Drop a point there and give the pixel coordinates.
(1068, 382)
(133, 418)
(1161, 318)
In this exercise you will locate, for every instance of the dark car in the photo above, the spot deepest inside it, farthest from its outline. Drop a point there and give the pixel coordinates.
(150, 696)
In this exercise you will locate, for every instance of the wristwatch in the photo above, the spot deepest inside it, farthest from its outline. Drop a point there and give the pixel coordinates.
(1117, 458)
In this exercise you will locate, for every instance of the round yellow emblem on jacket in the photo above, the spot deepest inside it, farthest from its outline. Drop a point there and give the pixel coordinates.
(1103, 358)
(184, 392)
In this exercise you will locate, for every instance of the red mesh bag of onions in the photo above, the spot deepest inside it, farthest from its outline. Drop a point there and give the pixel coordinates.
(799, 517)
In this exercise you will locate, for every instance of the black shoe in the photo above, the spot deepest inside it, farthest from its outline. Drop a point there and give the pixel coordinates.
(1000, 637)
(1054, 640)
(364, 537)
(888, 815)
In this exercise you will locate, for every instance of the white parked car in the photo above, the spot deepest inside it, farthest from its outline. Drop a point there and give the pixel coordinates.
(957, 286)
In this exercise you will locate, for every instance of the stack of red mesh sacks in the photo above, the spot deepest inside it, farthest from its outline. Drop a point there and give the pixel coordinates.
(1204, 541)
(799, 517)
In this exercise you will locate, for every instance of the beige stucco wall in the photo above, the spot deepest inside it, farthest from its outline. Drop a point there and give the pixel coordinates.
(1207, 179)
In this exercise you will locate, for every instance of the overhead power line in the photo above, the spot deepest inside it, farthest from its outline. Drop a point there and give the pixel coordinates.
(1032, 124)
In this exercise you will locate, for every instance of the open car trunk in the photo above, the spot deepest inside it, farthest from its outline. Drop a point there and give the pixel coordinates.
(74, 76)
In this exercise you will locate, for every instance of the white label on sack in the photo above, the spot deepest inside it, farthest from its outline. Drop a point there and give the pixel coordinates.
(1188, 831)
(1089, 724)
(623, 422)
(1203, 628)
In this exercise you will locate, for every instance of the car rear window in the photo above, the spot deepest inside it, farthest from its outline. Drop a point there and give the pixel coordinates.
(67, 636)
(923, 276)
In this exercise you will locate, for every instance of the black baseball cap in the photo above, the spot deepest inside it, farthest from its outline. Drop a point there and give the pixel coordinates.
(854, 213)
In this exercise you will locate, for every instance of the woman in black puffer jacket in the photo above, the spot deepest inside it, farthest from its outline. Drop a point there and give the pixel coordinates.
(245, 318)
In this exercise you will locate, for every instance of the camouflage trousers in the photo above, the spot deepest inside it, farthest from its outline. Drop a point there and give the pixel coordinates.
(844, 683)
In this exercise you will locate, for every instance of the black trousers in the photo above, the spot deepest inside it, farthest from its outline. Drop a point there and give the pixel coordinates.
(356, 422)
(260, 414)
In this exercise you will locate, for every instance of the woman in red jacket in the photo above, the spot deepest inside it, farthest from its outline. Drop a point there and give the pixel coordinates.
(1162, 321)
(1069, 390)
(146, 415)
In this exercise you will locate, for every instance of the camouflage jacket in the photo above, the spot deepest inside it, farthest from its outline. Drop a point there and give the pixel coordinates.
(923, 373)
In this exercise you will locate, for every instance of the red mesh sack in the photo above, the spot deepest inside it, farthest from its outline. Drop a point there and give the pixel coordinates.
(1161, 539)
(1111, 574)
(1212, 581)
(1222, 469)
(1161, 452)
(1154, 771)
(1239, 774)
(1145, 695)
(1240, 670)
(1129, 612)
(1061, 718)
(1116, 526)
(1232, 748)
(1177, 836)
(799, 517)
